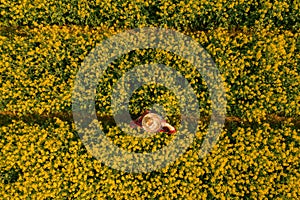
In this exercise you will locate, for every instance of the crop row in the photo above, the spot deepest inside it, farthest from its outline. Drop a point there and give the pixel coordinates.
(260, 70)
(49, 161)
(184, 15)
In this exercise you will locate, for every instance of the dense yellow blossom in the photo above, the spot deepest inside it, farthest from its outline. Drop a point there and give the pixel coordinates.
(255, 46)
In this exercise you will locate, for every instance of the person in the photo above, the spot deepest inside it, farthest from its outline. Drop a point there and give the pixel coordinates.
(165, 127)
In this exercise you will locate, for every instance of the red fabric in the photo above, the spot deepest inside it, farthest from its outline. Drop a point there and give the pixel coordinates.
(138, 121)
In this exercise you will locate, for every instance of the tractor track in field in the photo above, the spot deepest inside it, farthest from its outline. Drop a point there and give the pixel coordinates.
(7, 116)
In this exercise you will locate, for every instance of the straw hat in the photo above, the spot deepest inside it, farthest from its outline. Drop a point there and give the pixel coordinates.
(152, 122)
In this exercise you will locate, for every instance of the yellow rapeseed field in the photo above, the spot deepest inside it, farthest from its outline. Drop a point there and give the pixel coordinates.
(255, 46)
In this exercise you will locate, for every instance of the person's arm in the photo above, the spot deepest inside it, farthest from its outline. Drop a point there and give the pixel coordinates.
(168, 128)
